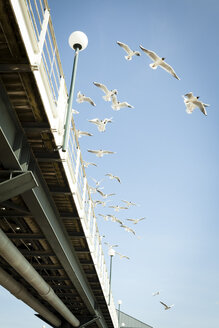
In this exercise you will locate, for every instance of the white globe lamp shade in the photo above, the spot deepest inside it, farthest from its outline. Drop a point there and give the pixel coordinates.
(119, 302)
(111, 252)
(78, 40)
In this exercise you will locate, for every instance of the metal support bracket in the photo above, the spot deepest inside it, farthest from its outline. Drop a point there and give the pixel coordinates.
(90, 322)
(17, 185)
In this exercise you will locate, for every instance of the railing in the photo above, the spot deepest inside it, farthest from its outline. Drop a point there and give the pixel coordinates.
(39, 38)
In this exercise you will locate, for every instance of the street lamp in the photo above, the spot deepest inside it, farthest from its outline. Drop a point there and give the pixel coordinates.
(111, 253)
(78, 41)
(119, 303)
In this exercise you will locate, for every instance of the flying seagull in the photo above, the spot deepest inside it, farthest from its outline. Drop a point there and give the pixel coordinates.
(83, 133)
(156, 293)
(101, 124)
(108, 93)
(81, 98)
(166, 307)
(100, 152)
(135, 221)
(111, 176)
(123, 256)
(128, 203)
(104, 195)
(192, 102)
(74, 111)
(86, 164)
(117, 208)
(158, 61)
(110, 246)
(117, 105)
(130, 52)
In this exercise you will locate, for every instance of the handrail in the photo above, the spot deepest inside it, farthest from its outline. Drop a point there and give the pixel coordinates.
(42, 49)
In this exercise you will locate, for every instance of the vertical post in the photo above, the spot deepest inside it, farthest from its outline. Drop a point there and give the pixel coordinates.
(119, 303)
(70, 100)
(110, 277)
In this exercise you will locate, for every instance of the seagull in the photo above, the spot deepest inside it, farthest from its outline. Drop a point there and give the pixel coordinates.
(129, 203)
(101, 124)
(81, 98)
(192, 102)
(111, 176)
(108, 93)
(123, 256)
(83, 133)
(104, 195)
(106, 217)
(115, 219)
(86, 164)
(158, 61)
(156, 293)
(127, 229)
(100, 153)
(117, 105)
(135, 221)
(74, 111)
(117, 208)
(130, 52)
(110, 246)
(167, 307)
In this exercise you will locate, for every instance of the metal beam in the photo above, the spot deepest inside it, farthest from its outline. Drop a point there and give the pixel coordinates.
(35, 236)
(17, 68)
(17, 185)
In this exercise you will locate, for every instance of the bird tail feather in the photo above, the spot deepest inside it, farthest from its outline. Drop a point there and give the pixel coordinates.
(128, 58)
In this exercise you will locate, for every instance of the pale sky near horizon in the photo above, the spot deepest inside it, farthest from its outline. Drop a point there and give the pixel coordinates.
(167, 160)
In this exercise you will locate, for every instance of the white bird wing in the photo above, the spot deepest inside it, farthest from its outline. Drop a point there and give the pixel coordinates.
(125, 104)
(200, 106)
(169, 69)
(150, 53)
(95, 121)
(132, 220)
(107, 120)
(83, 133)
(88, 99)
(117, 178)
(93, 151)
(101, 193)
(101, 86)
(189, 95)
(109, 175)
(119, 221)
(108, 152)
(110, 195)
(165, 305)
(125, 47)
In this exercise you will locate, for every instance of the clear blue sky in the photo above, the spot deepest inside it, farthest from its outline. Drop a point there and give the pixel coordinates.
(167, 160)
